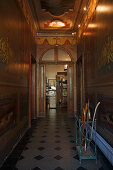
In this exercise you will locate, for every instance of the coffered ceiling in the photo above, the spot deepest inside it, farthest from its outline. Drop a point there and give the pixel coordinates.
(47, 14)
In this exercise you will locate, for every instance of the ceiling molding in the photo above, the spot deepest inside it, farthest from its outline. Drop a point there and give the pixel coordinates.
(55, 40)
(31, 15)
(29, 18)
(57, 7)
(36, 18)
(36, 6)
(55, 63)
(87, 17)
(52, 34)
(76, 12)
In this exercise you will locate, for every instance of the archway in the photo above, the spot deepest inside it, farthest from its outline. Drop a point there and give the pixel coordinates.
(56, 56)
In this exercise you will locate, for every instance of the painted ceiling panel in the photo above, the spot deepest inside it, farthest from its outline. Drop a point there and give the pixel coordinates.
(45, 12)
(57, 7)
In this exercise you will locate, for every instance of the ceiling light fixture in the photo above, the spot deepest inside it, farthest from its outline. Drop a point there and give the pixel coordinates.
(57, 24)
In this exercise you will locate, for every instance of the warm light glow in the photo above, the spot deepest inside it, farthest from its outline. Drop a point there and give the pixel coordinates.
(79, 26)
(57, 24)
(65, 67)
(102, 8)
(73, 33)
(88, 34)
(92, 25)
(84, 8)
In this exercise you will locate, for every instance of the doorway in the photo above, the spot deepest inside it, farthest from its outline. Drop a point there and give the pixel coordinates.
(56, 82)
(52, 76)
(56, 86)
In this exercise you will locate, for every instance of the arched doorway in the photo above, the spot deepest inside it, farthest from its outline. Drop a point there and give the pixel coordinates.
(56, 57)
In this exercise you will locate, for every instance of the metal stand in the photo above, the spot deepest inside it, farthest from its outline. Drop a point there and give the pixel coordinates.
(84, 144)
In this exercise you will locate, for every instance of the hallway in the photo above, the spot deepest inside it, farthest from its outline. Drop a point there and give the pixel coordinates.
(49, 145)
(55, 54)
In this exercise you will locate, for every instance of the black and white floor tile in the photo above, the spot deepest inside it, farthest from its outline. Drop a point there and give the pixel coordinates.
(50, 145)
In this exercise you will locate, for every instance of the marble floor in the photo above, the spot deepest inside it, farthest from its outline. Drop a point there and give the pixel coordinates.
(50, 145)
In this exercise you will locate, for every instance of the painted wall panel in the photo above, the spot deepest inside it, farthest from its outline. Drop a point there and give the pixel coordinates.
(97, 48)
(16, 46)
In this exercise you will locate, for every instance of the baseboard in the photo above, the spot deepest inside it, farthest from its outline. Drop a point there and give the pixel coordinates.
(104, 147)
(20, 137)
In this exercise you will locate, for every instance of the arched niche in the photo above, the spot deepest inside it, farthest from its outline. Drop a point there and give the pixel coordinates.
(49, 55)
(63, 55)
(56, 55)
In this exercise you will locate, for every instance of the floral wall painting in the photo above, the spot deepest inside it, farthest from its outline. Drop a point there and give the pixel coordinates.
(105, 60)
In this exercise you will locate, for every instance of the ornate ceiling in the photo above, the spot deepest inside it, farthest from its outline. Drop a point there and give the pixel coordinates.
(57, 18)
(68, 11)
(57, 7)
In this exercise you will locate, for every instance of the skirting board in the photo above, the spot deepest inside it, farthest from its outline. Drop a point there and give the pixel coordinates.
(14, 146)
(104, 147)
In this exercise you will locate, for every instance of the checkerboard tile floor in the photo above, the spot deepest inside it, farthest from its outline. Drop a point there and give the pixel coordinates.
(50, 145)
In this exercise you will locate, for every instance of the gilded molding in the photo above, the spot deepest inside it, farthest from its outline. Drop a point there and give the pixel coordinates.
(56, 40)
(29, 19)
(87, 17)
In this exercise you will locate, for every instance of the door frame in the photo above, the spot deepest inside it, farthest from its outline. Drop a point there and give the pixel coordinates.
(42, 91)
(33, 87)
(70, 94)
(70, 99)
(80, 83)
